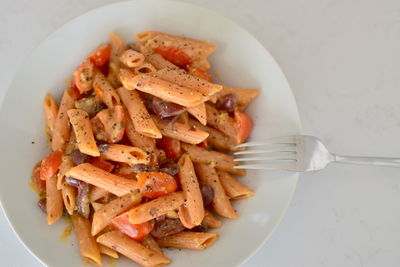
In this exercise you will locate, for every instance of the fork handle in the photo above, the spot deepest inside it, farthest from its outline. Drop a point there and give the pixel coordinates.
(375, 161)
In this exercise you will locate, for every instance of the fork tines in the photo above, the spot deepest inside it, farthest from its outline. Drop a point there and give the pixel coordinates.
(276, 153)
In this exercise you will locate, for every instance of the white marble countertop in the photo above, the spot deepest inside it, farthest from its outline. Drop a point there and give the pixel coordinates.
(342, 60)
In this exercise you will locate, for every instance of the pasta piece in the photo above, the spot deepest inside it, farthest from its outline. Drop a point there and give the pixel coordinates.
(191, 190)
(132, 249)
(180, 131)
(188, 240)
(109, 211)
(87, 244)
(243, 96)
(138, 140)
(150, 243)
(144, 68)
(215, 137)
(184, 118)
(125, 154)
(159, 62)
(69, 198)
(156, 207)
(66, 164)
(199, 112)
(108, 251)
(184, 79)
(222, 121)
(54, 207)
(96, 193)
(132, 58)
(221, 203)
(83, 130)
(50, 108)
(215, 159)
(233, 188)
(184, 217)
(210, 221)
(95, 176)
(117, 48)
(61, 127)
(197, 50)
(163, 89)
(105, 91)
(96, 205)
(138, 113)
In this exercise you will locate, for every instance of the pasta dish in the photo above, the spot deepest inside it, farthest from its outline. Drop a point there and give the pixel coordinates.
(140, 145)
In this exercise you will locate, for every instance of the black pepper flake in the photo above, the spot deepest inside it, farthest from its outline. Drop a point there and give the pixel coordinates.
(33, 142)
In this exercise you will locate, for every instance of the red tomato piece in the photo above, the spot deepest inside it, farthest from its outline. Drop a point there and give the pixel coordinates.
(76, 92)
(102, 164)
(156, 184)
(83, 76)
(134, 231)
(173, 54)
(172, 147)
(244, 124)
(200, 73)
(101, 55)
(50, 165)
(40, 185)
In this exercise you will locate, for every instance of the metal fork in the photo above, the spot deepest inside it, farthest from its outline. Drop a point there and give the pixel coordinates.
(300, 153)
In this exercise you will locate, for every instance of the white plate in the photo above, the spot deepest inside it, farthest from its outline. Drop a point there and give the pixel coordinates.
(239, 61)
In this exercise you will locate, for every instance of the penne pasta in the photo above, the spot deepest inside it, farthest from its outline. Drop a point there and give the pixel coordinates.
(138, 140)
(54, 207)
(61, 127)
(184, 79)
(221, 203)
(199, 112)
(191, 190)
(132, 249)
(222, 121)
(233, 189)
(184, 217)
(210, 221)
(131, 58)
(150, 243)
(215, 159)
(97, 193)
(163, 89)
(125, 154)
(104, 216)
(95, 176)
(96, 205)
(87, 245)
(108, 251)
(105, 91)
(180, 131)
(156, 207)
(83, 130)
(216, 138)
(188, 240)
(117, 48)
(66, 164)
(159, 62)
(243, 96)
(50, 108)
(138, 113)
(144, 68)
(197, 50)
(69, 198)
